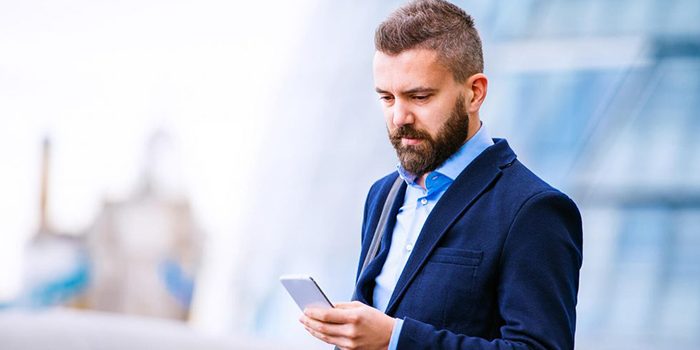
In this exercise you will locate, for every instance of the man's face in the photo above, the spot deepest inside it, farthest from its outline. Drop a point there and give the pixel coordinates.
(423, 106)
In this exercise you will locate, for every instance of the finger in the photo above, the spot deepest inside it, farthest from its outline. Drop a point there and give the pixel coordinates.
(318, 335)
(338, 341)
(328, 315)
(329, 329)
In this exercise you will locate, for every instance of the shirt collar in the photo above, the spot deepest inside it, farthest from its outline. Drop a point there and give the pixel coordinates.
(457, 162)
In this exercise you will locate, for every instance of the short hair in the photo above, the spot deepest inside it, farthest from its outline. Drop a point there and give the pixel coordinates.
(437, 25)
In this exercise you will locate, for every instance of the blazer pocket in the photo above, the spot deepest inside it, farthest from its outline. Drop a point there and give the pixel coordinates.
(457, 256)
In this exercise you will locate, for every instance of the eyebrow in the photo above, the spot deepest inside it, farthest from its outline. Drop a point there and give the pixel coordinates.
(419, 89)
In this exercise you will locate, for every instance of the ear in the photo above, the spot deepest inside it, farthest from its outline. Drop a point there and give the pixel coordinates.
(476, 86)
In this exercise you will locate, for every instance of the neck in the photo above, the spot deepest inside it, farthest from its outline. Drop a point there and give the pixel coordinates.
(420, 180)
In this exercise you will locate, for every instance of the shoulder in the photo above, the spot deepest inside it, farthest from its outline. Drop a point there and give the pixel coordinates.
(518, 173)
(522, 185)
(535, 201)
(514, 184)
(382, 185)
(519, 192)
(378, 193)
(376, 197)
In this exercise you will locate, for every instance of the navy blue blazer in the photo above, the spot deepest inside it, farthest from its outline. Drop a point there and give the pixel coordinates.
(496, 265)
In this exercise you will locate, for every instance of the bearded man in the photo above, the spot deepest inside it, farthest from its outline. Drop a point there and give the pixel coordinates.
(473, 251)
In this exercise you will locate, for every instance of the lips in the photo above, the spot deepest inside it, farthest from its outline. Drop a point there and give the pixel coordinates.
(410, 141)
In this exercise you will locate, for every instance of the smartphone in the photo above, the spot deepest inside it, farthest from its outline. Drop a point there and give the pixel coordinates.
(305, 291)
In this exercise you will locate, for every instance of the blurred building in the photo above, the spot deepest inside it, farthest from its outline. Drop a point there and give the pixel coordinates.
(140, 256)
(56, 268)
(144, 254)
(144, 251)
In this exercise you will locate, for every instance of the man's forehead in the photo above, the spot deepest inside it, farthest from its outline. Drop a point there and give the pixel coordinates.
(408, 69)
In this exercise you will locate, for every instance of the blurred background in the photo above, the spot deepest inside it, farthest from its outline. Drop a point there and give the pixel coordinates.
(163, 162)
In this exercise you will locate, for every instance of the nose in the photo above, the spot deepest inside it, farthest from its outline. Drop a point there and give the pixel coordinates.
(402, 115)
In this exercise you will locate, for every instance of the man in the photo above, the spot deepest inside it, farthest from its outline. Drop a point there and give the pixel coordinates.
(478, 252)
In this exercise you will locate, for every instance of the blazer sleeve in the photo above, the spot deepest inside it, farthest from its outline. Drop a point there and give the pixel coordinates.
(538, 283)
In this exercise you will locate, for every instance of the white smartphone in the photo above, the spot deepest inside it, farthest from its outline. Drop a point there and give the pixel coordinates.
(305, 291)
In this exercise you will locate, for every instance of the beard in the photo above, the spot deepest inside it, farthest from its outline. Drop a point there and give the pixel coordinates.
(432, 152)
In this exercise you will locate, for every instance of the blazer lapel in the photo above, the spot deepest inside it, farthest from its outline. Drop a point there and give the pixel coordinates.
(365, 282)
(467, 187)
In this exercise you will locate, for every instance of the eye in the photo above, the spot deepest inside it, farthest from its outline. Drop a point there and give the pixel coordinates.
(421, 97)
(386, 98)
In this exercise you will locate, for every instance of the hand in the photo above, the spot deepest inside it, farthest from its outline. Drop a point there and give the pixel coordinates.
(351, 325)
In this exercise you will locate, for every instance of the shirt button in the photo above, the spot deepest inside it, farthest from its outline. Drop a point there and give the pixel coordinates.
(409, 247)
(424, 201)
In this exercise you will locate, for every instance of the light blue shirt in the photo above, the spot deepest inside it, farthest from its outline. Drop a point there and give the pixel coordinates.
(417, 205)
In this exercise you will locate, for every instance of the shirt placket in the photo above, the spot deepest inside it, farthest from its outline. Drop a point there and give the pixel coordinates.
(418, 215)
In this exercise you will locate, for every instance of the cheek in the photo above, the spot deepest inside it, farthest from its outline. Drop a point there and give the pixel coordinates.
(388, 118)
(430, 119)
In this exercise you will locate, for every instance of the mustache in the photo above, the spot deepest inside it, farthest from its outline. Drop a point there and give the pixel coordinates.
(407, 131)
